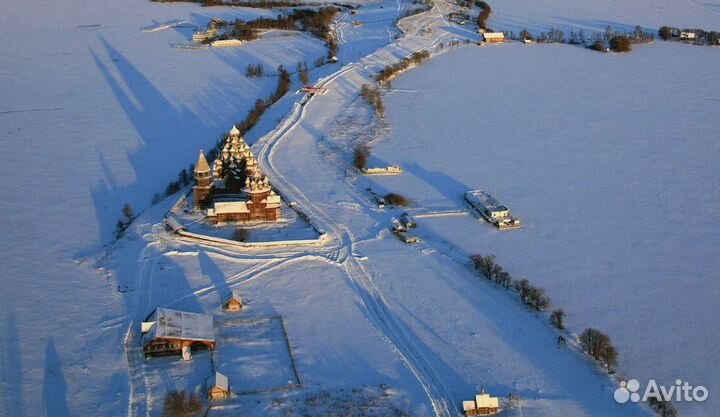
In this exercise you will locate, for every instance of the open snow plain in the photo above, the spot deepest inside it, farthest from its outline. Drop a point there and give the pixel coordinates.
(95, 113)
(610, 161)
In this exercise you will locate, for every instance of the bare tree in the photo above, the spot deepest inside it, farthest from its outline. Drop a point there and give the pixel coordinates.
(598, 345)
(181, 404)
(360, 156)
(557, 318)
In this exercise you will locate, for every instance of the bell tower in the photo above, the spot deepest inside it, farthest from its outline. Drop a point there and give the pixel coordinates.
(203, 182)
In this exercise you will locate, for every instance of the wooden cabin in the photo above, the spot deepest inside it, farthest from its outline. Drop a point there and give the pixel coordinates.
(218, 387)
(234, 302)
(172, 332)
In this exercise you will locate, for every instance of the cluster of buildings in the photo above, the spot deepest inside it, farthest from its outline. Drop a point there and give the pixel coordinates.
(167, 332)
(234, 190)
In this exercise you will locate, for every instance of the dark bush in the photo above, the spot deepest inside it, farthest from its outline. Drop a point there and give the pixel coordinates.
(620, 44)
(241, 235)
(598, 46)
(360, 156)
(665, 33)
(396, 200)
(181, 404)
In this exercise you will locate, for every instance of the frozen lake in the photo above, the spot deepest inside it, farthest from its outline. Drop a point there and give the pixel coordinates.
(611, 162)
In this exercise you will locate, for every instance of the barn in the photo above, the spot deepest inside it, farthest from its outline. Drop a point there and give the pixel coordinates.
(172, 332)
(493, 37)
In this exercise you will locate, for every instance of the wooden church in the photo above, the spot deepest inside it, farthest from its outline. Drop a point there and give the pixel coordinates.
(234, 190)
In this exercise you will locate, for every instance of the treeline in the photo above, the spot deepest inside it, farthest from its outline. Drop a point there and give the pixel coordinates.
(393, 69)
(317, 22)
(373, 98)
(185, 177)
(701, 37)
(594, 342)
(580, 37)
(421, 7)
(529, 294)
(259, 4)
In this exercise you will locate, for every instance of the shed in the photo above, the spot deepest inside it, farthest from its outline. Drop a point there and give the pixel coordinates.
(234, 302)
(218, 387)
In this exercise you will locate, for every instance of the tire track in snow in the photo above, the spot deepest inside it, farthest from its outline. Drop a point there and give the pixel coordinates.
(377, 308)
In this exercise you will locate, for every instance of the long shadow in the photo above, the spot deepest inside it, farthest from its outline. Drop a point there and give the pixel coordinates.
(211, 270)
(54, 383)
(446, 185)
(11, 366)
(154, 118)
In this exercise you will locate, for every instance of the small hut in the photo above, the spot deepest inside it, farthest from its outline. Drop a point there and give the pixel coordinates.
(234, 302)
(218, 387)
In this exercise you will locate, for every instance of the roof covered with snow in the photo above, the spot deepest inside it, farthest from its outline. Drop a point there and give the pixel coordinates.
(484, 200)
(219, 380)
(485, 400)
(229, 207)
(165, 323)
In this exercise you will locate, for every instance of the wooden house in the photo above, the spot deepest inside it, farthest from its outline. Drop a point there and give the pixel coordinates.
(493, 37)
(218, 387)
(234, 302)
(172, 332)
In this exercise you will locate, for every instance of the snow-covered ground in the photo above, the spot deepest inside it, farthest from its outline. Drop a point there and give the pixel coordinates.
(94, 113)
(610, 160)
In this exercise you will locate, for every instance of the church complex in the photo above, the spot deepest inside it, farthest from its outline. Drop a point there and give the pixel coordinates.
(234, 190)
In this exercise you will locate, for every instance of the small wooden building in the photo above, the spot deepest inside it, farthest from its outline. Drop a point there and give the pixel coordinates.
(687, 36)
(218, 387)
(234, 302)
(483, 405)
(171, 332)
(493, 37)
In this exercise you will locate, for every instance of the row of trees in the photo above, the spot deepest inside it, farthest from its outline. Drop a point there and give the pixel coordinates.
(303, 73)
(393, 69)
(598, 345)
(373, 98)
(529, 294)
(255, 71)
(594, 342)
(594, 39)
(317, 22)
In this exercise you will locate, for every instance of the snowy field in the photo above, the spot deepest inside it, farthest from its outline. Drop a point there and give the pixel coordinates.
(94, 113)
(253, 354)
(610, 161)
